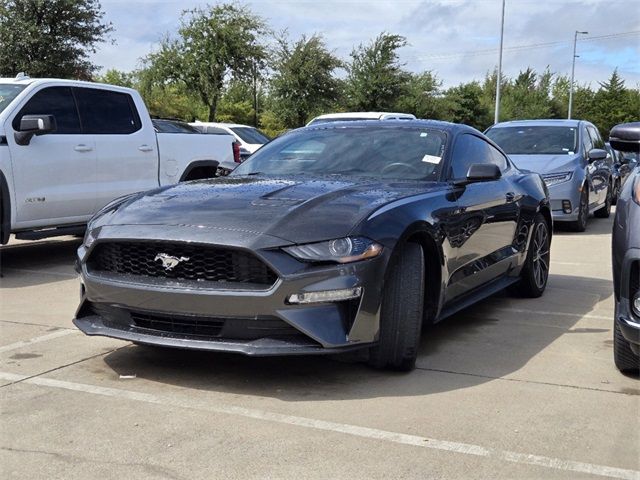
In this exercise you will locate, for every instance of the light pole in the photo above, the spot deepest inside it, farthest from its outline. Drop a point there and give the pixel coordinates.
(499, 77)
(573, 70)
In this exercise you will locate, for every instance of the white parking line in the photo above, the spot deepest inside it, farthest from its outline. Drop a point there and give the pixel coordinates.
(354, 430)
(43, 338)
(558, 314)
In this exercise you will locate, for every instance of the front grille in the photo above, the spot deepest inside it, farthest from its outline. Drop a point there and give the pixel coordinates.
(238, 328)
(194, 262)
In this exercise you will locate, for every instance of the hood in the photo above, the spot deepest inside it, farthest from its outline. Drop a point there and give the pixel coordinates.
(295, 209)
(544, 164)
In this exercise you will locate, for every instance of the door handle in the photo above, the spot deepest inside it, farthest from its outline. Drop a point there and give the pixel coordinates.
(82, 148)
(510, 196)
(145, 148)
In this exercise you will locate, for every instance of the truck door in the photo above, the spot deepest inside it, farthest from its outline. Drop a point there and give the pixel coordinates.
(54, 175)
(127, 153)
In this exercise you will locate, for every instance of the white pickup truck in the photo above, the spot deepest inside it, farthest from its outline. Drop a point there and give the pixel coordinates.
(67, 148)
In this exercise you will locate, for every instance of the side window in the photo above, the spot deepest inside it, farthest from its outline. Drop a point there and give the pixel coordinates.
(56, 101)
(106, 112)
(587, 142)
(596, 139)
(470, 149)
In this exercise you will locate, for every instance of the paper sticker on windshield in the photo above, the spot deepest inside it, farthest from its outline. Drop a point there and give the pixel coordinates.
(423, 134)
(431, 159)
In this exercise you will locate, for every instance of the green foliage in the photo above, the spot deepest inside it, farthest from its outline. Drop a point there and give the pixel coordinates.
(117, 77)
(214, 43)
(421, 96)
(376, 78)
(50, 38)
(303, 84)
(463, 104)
(236, 103)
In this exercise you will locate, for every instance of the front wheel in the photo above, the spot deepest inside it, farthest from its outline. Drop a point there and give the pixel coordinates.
(580, 225)
(401, 314)
(605, 211)
(535, 273)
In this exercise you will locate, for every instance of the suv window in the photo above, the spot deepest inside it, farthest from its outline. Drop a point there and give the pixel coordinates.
(470, 149)
(596, 139)
(106, 112)
(56, 101)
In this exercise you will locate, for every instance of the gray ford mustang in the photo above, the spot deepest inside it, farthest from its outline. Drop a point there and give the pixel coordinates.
(330, 238)
(626, 257)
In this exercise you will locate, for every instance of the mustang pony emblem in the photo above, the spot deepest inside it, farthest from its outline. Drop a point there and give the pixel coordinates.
(169, 262)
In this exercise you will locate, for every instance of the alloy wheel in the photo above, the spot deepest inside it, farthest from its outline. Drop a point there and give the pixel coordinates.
(541, 255)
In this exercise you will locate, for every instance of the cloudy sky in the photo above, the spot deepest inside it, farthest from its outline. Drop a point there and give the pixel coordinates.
(456, 39)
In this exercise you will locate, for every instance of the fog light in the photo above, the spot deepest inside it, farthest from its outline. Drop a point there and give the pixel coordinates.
(326, 296)
(566, 206)
(636, 304)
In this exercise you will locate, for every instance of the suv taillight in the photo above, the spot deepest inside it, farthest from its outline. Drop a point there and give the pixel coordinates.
(236, 152)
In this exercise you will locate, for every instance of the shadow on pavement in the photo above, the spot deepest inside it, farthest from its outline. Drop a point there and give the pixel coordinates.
(36, 263)
(482, 341)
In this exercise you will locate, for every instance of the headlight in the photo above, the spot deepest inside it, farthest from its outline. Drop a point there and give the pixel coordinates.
(90, 237)
(341, 250)
(556, 178)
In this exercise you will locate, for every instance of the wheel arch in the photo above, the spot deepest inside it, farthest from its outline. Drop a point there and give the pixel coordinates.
(199, 165)
(5, 210)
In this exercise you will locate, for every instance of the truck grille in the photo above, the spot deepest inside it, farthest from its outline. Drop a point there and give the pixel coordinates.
(181, 261)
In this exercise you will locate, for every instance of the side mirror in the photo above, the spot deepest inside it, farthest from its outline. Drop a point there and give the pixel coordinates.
(597, 154)
(625, 137)
(31, 125)
(480, 172)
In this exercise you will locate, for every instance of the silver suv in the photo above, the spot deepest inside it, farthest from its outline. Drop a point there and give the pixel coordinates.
(570, 156)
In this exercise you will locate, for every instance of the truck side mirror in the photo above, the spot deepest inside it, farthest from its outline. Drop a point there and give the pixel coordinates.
(31, 125)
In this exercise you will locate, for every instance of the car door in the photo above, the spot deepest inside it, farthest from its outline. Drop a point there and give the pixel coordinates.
(54, 174)
(599, 170)
(127, 156)
(486, 218)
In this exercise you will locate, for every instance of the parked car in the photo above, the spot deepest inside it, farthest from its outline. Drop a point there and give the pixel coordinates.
(325, 240)
(68, 148)
(352, 116)
(623, 164)
(250, 138)
(570, 156)
(626, 257)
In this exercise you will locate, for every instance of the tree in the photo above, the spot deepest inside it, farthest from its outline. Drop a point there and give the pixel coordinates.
(50, 38)
(463, 104)
(613, 104)
(303, 83)
(376, 78)
(421, 96)
(117, 77)
(214, 44)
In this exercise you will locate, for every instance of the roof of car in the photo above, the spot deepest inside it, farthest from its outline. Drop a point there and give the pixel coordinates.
(25, 80)
(372, 115)
(220, 124)
(538, 122)
(437, 124)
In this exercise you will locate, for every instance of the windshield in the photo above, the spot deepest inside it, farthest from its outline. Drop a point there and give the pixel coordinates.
(382, 152)
(536, 140)
(251, 135)
(8, 92)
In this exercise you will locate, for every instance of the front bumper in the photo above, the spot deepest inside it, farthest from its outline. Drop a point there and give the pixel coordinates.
(110, 304)
(628, 322)
(561, 192)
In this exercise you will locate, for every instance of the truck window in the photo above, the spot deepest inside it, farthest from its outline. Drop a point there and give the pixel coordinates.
(56, 101)
(105, 112)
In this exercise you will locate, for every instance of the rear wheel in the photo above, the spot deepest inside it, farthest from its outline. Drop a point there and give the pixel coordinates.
(605, 211)
(535, 273)
(580, 225)
(626, 361)
(402, 307)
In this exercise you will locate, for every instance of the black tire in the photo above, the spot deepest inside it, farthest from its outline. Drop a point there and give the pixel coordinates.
(401, 313)
(580, 225)
(626, 361)
(535, 273)
(605, 211)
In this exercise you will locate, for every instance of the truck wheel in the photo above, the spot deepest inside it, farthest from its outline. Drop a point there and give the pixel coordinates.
(401, 315)
(626, 361)
(535, 273)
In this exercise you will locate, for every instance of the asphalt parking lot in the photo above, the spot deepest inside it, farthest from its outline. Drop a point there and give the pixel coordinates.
(510, 388)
